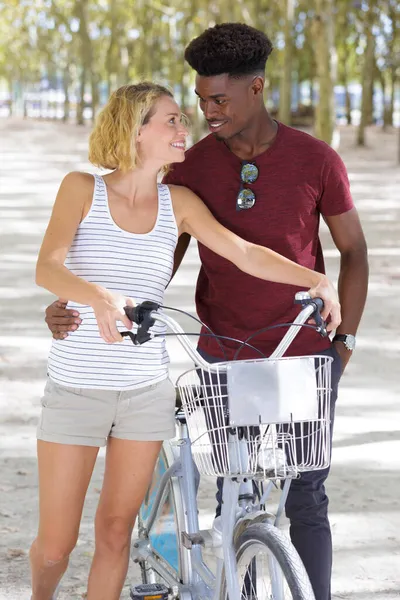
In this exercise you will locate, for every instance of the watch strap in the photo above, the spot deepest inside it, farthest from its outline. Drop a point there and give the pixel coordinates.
(348, 340)
(340, 337)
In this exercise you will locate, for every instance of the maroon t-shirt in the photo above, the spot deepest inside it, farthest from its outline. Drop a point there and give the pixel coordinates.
(299, 179)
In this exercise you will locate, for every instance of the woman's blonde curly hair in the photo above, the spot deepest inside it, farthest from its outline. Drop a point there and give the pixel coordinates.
(112, 143)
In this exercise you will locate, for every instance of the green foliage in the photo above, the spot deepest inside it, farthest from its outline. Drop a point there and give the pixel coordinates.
(96, 45)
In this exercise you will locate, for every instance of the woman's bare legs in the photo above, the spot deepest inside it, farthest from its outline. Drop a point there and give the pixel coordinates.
(129, 467)
(64, 475)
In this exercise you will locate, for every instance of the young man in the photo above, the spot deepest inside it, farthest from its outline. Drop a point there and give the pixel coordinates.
(278, 204)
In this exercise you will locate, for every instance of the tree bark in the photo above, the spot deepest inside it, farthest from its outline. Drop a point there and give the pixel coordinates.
(392, 93)
(81, 104)
(367, 73)
(285, 90)
(66, 84)
(86, 51)
(11, 99)
(325, 53)
(347, 96)
(348, 105)
(112, 55)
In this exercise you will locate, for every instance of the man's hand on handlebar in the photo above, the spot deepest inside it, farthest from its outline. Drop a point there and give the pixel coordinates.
(61, 320)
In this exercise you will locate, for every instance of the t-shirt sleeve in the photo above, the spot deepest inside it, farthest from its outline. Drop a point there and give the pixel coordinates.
(174, 175)
(336, 196)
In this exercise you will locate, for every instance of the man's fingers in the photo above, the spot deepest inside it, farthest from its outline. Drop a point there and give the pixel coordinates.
(61, 327)
(61, 313)
(67, 321)
(59, 335)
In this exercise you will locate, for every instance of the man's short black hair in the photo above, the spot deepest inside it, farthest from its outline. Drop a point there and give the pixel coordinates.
(233, 48)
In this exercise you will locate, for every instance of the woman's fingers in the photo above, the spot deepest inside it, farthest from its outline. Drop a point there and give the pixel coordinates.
(336, 317)
(326, 311)
(114, 333)
(126, 321)
(109, 313)
(109, 331)
(331, 308)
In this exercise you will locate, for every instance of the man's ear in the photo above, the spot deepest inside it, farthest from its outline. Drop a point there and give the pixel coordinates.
(257, 85)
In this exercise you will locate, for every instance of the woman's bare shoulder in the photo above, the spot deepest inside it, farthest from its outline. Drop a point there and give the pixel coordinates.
(78, 178)
(180, 192)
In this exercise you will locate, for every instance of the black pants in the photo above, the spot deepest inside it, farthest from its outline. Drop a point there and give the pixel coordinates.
(307, 507)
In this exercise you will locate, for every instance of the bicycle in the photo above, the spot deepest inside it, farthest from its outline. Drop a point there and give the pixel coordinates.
(270, 438)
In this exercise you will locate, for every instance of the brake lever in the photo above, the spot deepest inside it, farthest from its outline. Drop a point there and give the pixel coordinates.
(141, 315)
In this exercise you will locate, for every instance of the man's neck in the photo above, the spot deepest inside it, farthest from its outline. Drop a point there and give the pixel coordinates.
(255, 139)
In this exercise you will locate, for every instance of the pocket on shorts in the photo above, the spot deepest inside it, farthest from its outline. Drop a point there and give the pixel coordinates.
(54, 394)
(167, 392)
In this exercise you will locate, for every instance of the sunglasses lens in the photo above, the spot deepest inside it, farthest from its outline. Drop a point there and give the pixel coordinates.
(246, 199)
(249, 173)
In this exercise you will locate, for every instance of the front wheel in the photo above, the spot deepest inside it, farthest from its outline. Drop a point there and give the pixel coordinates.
(268, 566)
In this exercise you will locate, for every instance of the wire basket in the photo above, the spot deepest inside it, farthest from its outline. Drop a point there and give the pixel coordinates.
(265, 418)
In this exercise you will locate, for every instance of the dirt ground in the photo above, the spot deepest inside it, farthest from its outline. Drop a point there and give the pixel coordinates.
(364, 484)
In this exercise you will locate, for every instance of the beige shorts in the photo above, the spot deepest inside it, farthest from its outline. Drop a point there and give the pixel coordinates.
(88, 417)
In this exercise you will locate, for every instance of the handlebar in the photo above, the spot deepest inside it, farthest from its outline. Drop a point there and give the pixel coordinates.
(147, 313)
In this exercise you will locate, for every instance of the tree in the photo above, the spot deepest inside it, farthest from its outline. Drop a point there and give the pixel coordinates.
(368, 70)
(285, 93)
(325, 57)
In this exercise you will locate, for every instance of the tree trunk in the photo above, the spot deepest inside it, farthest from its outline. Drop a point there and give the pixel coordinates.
(370, 100)
(325, 53)
(347, 97)
(66, 84)
(81, 104)
(367, 74)
(311, 91)
(386, 117)
(11, 94)
(86, 56)
(392, 93)
(112, 56)
(285, 90)
(94, 88)
(348, 105)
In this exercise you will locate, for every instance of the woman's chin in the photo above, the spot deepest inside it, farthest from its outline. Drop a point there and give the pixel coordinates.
(178, 156)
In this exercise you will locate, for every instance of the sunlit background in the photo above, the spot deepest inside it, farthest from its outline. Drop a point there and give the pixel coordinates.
(334, 60)
(335, 73)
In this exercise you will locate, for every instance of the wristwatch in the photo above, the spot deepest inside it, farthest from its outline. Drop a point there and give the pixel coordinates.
(348, 340)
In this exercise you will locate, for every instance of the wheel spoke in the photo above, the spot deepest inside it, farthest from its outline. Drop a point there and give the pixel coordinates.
(260, 576)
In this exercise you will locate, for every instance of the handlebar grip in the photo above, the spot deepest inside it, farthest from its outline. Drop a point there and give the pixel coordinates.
(305, 299)
(131, 313)
(141, 315)
(318, 302)
(141, 312)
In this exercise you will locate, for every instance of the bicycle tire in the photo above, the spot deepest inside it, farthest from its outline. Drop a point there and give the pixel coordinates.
(261, 535)
(168, 454)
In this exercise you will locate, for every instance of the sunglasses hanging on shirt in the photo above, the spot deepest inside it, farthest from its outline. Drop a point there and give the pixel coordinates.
(246, 198)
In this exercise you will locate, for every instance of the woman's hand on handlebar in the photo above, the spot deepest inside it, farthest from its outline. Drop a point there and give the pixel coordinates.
(325, 290)
(108, 310)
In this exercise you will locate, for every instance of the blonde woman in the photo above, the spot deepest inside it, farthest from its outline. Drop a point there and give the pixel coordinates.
(110, 242)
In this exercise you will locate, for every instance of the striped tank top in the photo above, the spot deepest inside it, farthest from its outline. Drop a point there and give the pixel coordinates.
(135, 265)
